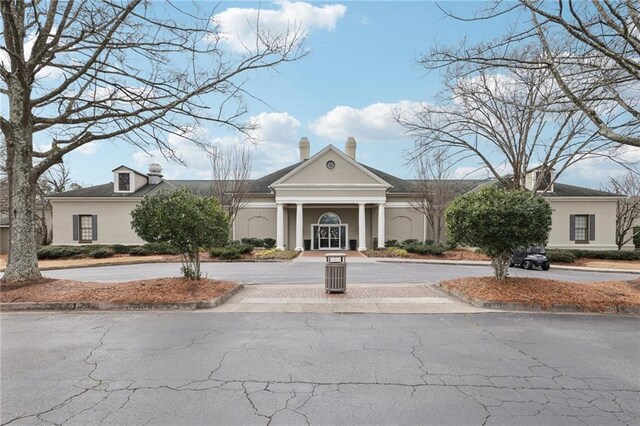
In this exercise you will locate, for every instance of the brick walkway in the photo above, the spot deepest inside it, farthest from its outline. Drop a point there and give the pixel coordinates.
(352, 293)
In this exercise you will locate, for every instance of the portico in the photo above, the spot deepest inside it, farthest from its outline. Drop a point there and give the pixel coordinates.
(330, 225)
(335, 200)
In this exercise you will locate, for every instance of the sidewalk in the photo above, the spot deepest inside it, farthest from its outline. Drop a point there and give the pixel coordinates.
(359, 298)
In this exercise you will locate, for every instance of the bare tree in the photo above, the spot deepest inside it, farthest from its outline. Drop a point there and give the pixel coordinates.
(507, 122)
(627, 209)
(433, 191)
(54, 181)
(119, 70)
(589, 48)
(230, 170)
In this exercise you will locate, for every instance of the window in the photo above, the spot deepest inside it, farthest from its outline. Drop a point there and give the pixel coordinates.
(86, 228)
(124, 182)
(329, 219)
(582, 226)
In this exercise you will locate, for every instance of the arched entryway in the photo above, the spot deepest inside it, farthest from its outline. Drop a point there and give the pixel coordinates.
(329, 233)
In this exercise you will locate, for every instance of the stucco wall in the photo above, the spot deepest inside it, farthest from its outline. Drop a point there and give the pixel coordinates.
(605, 214)
(114, 220)
(256, 222)
(343, 173)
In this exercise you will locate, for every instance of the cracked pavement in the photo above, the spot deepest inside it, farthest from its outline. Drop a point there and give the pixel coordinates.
(306, 369)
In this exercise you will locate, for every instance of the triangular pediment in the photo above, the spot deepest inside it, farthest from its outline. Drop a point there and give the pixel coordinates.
(330, 167)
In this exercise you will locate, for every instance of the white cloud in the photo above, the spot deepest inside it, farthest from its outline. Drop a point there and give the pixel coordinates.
(240, 25)
(274, 147)
(372, 123)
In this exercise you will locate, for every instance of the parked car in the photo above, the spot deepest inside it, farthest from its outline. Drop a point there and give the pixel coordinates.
(528, 257)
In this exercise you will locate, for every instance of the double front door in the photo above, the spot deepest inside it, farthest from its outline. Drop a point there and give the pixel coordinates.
(329, 237)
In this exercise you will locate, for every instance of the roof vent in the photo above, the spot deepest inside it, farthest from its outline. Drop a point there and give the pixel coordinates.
(155, 173)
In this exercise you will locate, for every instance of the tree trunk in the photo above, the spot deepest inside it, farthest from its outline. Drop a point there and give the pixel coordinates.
(501, 265)
(22, 264)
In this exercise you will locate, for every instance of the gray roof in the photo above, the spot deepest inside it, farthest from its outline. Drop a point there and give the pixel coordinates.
(262, 186)
(559, 190)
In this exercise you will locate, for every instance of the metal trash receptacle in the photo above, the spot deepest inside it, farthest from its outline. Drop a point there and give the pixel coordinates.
(335, 273)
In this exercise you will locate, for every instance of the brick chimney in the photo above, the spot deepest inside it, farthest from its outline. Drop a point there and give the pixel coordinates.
(350, 147)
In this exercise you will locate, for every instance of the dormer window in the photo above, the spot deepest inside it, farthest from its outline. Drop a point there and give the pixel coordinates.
(124, 181)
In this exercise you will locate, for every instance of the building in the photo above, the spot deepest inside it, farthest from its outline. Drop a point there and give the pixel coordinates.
(327, 201)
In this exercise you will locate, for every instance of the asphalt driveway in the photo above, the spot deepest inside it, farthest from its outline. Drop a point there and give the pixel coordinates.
(313, 272)
(257, 369)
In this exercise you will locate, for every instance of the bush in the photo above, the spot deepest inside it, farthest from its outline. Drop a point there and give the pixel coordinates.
(410, 242)
(161, 248)
(138, 251)
(429, 242)
(269, 243)
(102, 253)
(229, 254)
(436, 250)
(255, 242)
(216, 252)
(391, 243)
(120, 248)
(607, 254)
(241, 248)
(388, 252)
(277, 254)
(66, 252)
(560, 256)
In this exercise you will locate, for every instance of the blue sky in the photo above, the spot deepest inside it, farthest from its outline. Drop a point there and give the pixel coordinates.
(361, 64)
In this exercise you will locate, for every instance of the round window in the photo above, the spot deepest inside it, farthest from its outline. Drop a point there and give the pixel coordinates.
(331, 165)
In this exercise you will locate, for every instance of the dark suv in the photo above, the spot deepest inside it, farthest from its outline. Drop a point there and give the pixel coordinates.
(528, 257)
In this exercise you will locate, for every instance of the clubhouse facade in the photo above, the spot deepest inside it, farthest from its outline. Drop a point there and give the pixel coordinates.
(328, 201)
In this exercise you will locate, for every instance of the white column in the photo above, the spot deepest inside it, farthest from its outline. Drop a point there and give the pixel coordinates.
(299, 240)
(280, 226)
(381, 236)
(362, 227)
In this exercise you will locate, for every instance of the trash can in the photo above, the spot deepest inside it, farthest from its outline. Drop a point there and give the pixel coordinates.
(335, 273)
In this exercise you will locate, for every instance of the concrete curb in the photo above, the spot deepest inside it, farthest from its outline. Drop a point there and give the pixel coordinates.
(487, 263)
(143, 262)
(534, 307)
(109, 306)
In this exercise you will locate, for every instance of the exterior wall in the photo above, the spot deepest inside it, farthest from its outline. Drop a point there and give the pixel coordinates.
(403, 224)
(114, 220)
(604, 210)
(343, 173)
(4, 240)
(258, 222)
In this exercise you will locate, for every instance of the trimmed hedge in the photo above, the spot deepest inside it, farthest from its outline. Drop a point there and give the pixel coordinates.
(607, 254)
(269, 243)
(560, 256)
(138, 251)
(161, 248)
(435, 250)
(255, 242)
(102, 253)
(570, 255)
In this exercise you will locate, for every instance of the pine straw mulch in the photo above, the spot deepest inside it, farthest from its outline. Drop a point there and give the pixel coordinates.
(161, 290)
(588, 296)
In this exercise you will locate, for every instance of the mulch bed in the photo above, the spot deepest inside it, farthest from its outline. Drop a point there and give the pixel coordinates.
(588, 296)
(144, 291)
